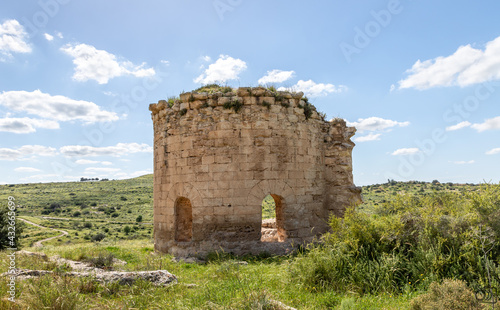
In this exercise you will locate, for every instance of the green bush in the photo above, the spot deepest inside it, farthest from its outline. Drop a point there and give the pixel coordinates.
(8, 237)
(449, 295)
(127, 229)
(102, 260)
(408, 242)
(98, 237)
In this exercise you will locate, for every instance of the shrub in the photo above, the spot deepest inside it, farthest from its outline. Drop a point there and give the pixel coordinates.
(77, 213)
(98, 237)
(127, 229)
(6, 219)
(102, 260)
(308, 110)
(266, 104)
(449, 295)
(408, 242)
(87, 225)
(235, 105)
(54, 206)
(285, 104)
(272, 88)
(171, 101)
(139, 219)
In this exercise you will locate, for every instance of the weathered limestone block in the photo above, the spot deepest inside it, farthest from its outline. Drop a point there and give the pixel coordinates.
(200, 96)
(185, 97)
(215, 164)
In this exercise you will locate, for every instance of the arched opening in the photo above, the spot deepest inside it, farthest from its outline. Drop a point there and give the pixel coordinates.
(272, 219)
(183, 219)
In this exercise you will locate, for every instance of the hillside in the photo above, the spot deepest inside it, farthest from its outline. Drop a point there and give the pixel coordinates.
(85, 209)
(405, 236)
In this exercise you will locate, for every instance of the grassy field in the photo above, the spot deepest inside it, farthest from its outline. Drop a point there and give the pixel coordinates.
(86, 209)
(219, 284)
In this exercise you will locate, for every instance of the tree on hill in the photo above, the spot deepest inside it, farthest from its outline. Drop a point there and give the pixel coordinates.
(6, 220)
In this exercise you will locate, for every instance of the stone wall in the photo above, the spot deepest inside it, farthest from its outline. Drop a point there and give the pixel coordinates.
(217, 156)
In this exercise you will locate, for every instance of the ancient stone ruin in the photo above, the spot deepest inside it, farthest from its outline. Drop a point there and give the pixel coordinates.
(218, 154)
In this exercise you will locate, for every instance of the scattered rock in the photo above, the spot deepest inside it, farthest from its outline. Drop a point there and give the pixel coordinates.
(83, 269)
(278, 305)
(35, 254)
(157, 277)
(241, 263)
(188, 260)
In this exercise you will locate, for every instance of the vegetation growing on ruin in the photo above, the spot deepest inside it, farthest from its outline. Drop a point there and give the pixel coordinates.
(308, 107)
(235, 105)
(213, 88)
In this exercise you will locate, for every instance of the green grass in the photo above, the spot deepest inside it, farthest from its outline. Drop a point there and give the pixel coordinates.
(219, 284)
(268, 208)
(107, 205)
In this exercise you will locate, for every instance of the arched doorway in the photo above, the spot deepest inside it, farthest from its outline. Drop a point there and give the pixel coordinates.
(183, 220)
(273, 229)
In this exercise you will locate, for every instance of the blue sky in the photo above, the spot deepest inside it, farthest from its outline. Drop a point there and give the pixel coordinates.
(419, 79)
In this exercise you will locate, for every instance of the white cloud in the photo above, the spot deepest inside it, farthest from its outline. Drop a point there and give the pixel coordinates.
(92, 162)
(94, 170)
(489, 124)
(467, 66)
(42, 177)
(26, 150)
(224, 69)
(58, 108)
(375, 123)
(59, 35)
(206, 58)
(117, 150)
(368, 137)
(48, 37)
(13, 38)
(458, 126)
(25, 124)
(406, 151)
(123, 175)
(493, 151)
(463, 162)
(86, 162)
(313, 89)
(101, 66)
(26, 169)
(276, 76)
